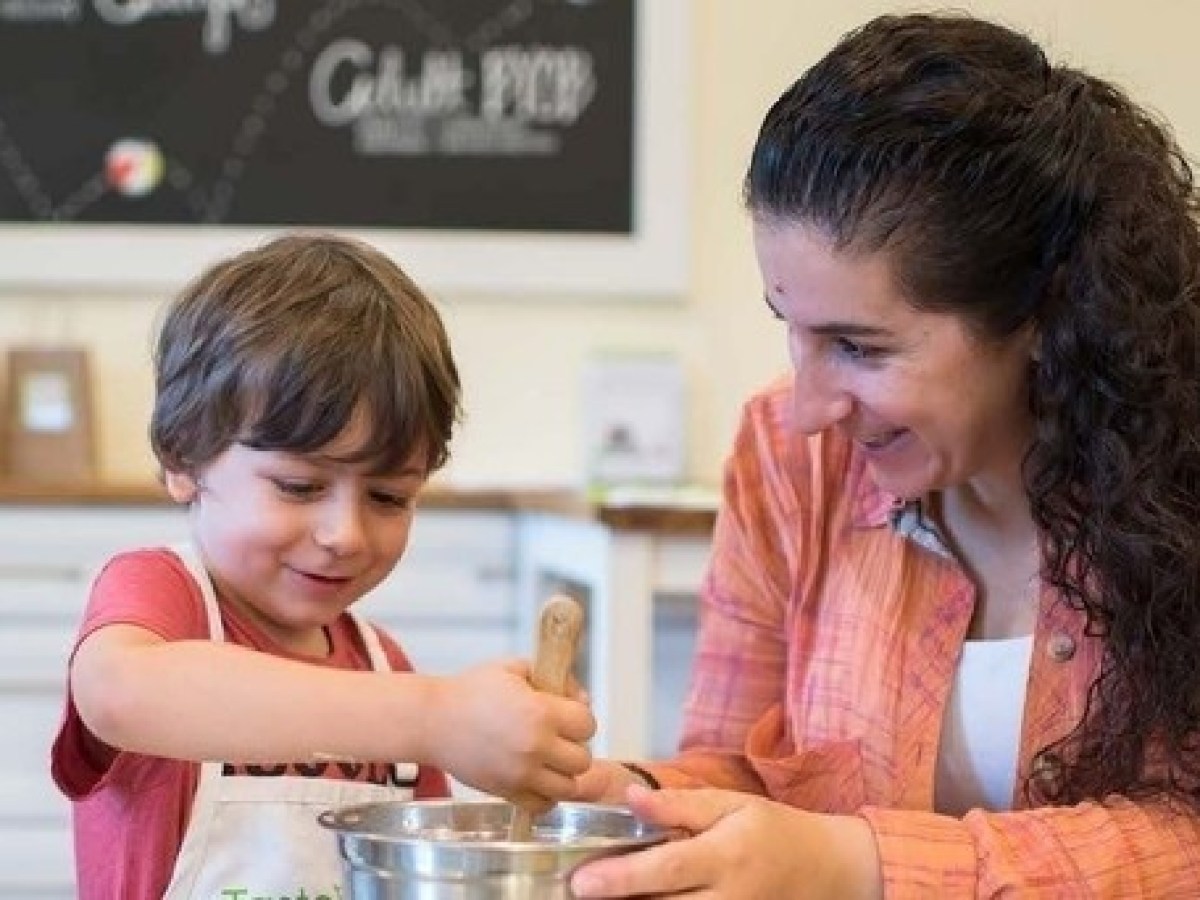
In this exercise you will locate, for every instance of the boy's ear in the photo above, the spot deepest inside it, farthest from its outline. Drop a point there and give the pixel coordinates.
(181, 487)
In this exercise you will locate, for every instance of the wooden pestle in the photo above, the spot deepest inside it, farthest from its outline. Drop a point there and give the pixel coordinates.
(559, 627)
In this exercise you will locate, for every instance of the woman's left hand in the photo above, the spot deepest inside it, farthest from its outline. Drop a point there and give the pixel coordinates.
(740, 846)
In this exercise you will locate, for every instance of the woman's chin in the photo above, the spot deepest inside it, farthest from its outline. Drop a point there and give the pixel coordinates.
(907, 482)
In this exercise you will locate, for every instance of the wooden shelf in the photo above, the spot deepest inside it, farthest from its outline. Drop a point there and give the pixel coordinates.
(660, 517)
(82, 493)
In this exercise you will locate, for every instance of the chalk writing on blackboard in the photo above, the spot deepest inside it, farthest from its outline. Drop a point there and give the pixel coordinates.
(462, 114)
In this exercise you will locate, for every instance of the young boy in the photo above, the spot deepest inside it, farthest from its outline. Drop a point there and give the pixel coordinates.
(221, 694)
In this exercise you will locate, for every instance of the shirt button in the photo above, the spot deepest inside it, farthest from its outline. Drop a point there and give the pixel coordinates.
(1061, 647)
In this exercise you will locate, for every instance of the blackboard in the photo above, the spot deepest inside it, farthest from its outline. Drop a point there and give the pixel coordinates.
(408, 120)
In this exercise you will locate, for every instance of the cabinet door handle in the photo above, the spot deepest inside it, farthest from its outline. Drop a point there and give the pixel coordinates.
(494, 573)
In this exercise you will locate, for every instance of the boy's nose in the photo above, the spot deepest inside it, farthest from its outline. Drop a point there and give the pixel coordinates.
(340, 528)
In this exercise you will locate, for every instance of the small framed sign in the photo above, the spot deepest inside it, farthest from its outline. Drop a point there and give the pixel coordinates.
(634, 419)
(49, 424)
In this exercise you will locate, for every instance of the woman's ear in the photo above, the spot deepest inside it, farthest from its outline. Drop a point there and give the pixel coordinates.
(1032, 338)
(181, 487)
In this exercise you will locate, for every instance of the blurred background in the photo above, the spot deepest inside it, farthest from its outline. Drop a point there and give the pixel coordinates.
(523, 357)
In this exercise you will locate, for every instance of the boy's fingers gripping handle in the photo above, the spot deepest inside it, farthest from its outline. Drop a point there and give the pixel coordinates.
(559, 628)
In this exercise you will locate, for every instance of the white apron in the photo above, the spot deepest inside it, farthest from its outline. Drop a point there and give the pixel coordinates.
(258, 836)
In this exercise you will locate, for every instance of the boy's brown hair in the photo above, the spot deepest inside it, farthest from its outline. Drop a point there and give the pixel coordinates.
(278, 347)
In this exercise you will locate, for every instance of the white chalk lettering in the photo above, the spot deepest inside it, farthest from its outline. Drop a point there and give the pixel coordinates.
(220, 16)
(541, 85)
(349, 80)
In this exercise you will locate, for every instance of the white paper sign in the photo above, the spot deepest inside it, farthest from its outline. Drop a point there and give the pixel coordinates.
(46, 403)
(634, 419)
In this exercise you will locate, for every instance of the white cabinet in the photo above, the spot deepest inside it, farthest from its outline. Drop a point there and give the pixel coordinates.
(632, 582)
(47, 556)
(451, 602)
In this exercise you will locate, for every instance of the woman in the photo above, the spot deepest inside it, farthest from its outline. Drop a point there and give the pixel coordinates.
(952, 618)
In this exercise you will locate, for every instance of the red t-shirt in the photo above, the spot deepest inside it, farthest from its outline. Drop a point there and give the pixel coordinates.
(130, 815)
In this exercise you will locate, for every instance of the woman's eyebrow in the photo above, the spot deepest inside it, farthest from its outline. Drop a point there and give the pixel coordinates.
(855, 329)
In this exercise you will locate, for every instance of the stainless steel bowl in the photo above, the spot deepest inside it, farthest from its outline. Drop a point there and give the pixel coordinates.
(459, 849)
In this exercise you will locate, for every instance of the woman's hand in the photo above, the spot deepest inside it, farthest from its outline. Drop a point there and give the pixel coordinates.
(741, 847)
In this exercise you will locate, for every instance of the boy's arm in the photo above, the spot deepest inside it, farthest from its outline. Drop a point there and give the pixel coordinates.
(199, 700)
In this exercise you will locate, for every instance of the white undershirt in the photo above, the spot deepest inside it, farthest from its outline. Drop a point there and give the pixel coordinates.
(981, 732)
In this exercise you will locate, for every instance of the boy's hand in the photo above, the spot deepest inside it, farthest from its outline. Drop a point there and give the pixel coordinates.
(491, 730)
(605, 782)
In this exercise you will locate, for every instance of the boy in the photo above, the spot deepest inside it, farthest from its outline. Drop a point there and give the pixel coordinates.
(222, 694)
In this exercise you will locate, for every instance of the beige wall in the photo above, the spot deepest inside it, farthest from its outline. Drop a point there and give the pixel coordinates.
(521, 360)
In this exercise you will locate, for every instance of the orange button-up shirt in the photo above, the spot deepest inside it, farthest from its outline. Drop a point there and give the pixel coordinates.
(830, 634)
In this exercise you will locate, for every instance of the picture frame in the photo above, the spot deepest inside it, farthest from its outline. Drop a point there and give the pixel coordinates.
(49, 419)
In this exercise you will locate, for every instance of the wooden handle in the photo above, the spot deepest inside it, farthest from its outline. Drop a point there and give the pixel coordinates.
(559, 627)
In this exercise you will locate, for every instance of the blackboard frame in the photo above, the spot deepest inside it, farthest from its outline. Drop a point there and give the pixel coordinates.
(650, 263)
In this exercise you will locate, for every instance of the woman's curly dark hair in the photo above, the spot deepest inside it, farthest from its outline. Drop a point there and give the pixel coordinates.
(1016, 193)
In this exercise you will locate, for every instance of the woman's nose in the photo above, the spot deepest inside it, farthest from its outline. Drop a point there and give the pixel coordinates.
(818, 401)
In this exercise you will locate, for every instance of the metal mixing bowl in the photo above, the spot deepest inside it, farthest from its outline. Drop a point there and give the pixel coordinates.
(459, 849)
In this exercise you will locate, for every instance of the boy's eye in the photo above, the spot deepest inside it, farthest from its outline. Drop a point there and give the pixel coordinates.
(297, 488)
(391, 500)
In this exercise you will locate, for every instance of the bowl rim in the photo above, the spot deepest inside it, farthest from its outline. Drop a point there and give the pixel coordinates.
(330, 818)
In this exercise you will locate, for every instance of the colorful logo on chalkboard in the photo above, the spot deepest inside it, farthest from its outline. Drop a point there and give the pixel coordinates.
(133, 167)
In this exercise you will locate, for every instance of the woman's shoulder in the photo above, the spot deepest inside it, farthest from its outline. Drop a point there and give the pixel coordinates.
(768, 434)
(771, 403)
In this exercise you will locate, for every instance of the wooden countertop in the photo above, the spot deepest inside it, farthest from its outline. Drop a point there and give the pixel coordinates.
(657, 513)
